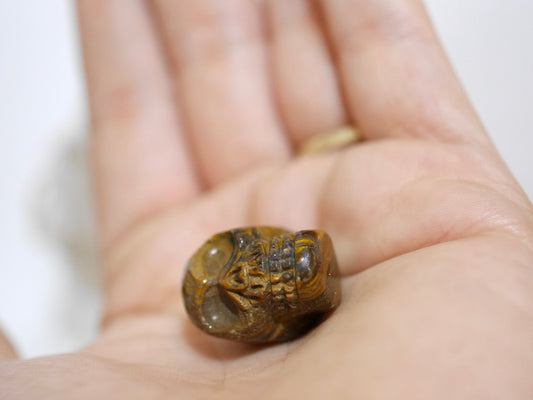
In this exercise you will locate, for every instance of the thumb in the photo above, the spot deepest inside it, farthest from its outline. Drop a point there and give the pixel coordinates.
(7, 351)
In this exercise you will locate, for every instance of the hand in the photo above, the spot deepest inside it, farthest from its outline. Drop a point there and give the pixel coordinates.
(196, 118)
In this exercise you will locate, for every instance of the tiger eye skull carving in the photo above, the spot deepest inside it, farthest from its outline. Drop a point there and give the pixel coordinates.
(261, 284)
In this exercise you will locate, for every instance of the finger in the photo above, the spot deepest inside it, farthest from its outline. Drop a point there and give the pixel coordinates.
(304, 75)
(140, 158)
(7, 351)
(218, 56)
(396, 76)
(375, 211)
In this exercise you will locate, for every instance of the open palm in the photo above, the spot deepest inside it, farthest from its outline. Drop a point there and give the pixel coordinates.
(198, 108)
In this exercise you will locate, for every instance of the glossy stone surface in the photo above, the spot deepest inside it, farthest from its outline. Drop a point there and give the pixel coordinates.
(261, 284)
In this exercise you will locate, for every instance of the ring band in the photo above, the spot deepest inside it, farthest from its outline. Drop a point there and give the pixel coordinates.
(336, 139)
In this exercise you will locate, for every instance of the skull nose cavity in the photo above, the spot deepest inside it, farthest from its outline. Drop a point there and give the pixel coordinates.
(235, 279)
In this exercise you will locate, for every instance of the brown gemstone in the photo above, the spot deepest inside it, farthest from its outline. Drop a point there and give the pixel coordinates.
(261, 284)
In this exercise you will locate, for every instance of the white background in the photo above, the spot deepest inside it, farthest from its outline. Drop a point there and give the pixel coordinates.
(44, 304)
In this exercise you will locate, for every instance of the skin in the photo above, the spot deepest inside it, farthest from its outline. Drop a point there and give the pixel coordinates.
(197, 111)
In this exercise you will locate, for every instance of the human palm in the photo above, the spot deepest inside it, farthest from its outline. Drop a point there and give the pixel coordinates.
(433, 235)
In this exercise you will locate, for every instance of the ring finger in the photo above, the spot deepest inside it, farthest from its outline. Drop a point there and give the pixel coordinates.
(304, 74)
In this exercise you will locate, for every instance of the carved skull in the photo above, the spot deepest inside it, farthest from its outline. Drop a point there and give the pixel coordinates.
(261, 284)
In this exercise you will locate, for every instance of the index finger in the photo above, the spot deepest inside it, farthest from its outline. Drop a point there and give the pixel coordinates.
(140, 159)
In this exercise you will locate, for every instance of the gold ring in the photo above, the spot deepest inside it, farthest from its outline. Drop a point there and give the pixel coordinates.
(336, 139)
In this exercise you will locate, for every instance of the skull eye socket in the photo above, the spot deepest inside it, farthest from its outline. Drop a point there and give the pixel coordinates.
(219, 312)
(306, 263)
(217, 254)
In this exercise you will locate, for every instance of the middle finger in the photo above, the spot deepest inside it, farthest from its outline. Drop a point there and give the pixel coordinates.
(218, 54)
